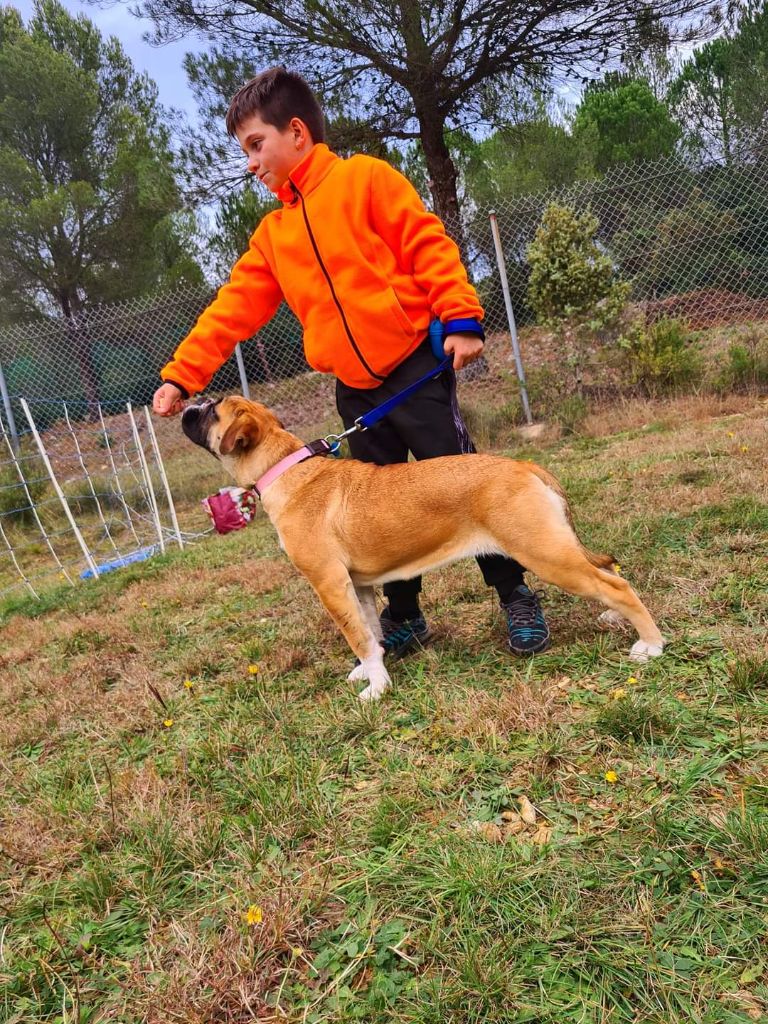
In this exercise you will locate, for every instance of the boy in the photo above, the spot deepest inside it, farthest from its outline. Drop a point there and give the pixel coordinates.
(365, 268)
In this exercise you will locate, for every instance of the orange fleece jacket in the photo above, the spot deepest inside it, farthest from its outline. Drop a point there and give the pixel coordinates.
(359, 260)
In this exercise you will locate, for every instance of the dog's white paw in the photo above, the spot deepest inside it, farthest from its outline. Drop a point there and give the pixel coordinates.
(374, 691)
(611, 619)
(372, 669)
(642, 651)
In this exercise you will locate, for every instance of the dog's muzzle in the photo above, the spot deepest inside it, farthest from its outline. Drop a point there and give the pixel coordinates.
(196, 422)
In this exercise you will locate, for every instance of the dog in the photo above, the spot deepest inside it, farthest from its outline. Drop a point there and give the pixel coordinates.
(348, 525)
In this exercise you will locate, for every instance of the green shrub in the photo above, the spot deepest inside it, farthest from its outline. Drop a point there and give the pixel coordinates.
(572, 280)
(661, 356)
(573, 287)
(747, 366)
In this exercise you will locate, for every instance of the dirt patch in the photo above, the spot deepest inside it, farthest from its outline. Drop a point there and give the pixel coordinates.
(709, 307)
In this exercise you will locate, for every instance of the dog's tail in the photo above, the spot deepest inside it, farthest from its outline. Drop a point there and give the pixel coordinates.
(599, 561)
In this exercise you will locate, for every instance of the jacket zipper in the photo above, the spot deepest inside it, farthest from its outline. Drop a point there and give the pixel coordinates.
(352, 341)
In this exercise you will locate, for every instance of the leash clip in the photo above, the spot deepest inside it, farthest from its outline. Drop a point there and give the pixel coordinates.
(334, 440)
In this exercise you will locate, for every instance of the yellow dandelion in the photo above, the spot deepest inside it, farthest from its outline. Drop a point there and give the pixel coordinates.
(611, 776)
(168, 722)
(631, 681)
(254, 915)
(144, 604)
(617, 568)
(297, 951)
(618, 693)
(731, 433)
(744, 448)
(698, 880)
(253, 670)
(188, 684)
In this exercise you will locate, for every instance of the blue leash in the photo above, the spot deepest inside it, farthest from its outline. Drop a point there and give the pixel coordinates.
(371, 418)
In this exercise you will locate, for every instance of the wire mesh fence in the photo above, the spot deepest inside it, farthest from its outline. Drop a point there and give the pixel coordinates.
(81, 499)
(692, 241)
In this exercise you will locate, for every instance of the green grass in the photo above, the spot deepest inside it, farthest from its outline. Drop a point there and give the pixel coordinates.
(367, 840)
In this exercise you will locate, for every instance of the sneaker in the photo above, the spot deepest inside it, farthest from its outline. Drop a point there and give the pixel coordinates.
(402, 637)
(528, 629)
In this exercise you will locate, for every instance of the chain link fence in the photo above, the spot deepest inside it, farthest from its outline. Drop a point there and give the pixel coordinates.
(692, 240)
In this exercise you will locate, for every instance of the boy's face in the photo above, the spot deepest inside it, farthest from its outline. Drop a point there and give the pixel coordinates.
(273, 153)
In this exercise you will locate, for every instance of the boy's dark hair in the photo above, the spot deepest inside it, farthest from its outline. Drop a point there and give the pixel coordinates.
(276, 96)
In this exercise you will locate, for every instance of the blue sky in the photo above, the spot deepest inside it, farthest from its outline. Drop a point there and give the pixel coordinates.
(163, 63)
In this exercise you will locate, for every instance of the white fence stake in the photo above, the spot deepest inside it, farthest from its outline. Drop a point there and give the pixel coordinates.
(161, 467)
(88, 478)
(17, 463)
(62, 498)
(510, 315)
(147, 478)
(116, 476)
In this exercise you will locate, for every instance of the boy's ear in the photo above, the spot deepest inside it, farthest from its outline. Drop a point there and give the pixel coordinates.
(244, 433)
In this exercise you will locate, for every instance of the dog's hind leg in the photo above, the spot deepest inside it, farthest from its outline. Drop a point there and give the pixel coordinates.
(341, 599)
(367, 598)
(572, 571)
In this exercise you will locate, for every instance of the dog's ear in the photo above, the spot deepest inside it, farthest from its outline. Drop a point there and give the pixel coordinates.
(243, 433)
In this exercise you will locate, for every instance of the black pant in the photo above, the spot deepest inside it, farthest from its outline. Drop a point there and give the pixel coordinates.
(428, 424)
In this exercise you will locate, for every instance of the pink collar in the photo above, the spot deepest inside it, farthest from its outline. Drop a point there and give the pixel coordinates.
(320, 447)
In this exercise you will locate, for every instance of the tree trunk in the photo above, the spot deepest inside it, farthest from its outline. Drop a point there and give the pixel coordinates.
(442, 184)
(72, 309)
(442, 176)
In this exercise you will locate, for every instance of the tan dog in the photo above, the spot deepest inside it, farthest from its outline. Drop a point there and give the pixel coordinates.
(349, 525)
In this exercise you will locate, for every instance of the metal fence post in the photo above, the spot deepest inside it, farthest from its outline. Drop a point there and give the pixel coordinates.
(9, 412)
(241, 371)
(510, 316)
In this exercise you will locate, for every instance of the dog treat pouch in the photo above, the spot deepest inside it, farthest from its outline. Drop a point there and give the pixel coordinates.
(231, 508)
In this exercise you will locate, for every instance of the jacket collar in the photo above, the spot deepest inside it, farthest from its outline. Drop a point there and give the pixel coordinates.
(308, 172)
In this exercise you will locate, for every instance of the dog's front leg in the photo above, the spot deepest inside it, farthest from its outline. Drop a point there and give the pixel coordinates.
(342, 601)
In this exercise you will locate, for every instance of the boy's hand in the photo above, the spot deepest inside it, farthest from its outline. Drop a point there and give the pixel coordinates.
(466, 348)
(168, 401)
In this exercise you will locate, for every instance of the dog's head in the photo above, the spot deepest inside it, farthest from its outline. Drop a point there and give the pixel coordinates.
(229, 428)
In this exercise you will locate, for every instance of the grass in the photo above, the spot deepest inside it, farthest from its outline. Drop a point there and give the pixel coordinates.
(380, 849)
